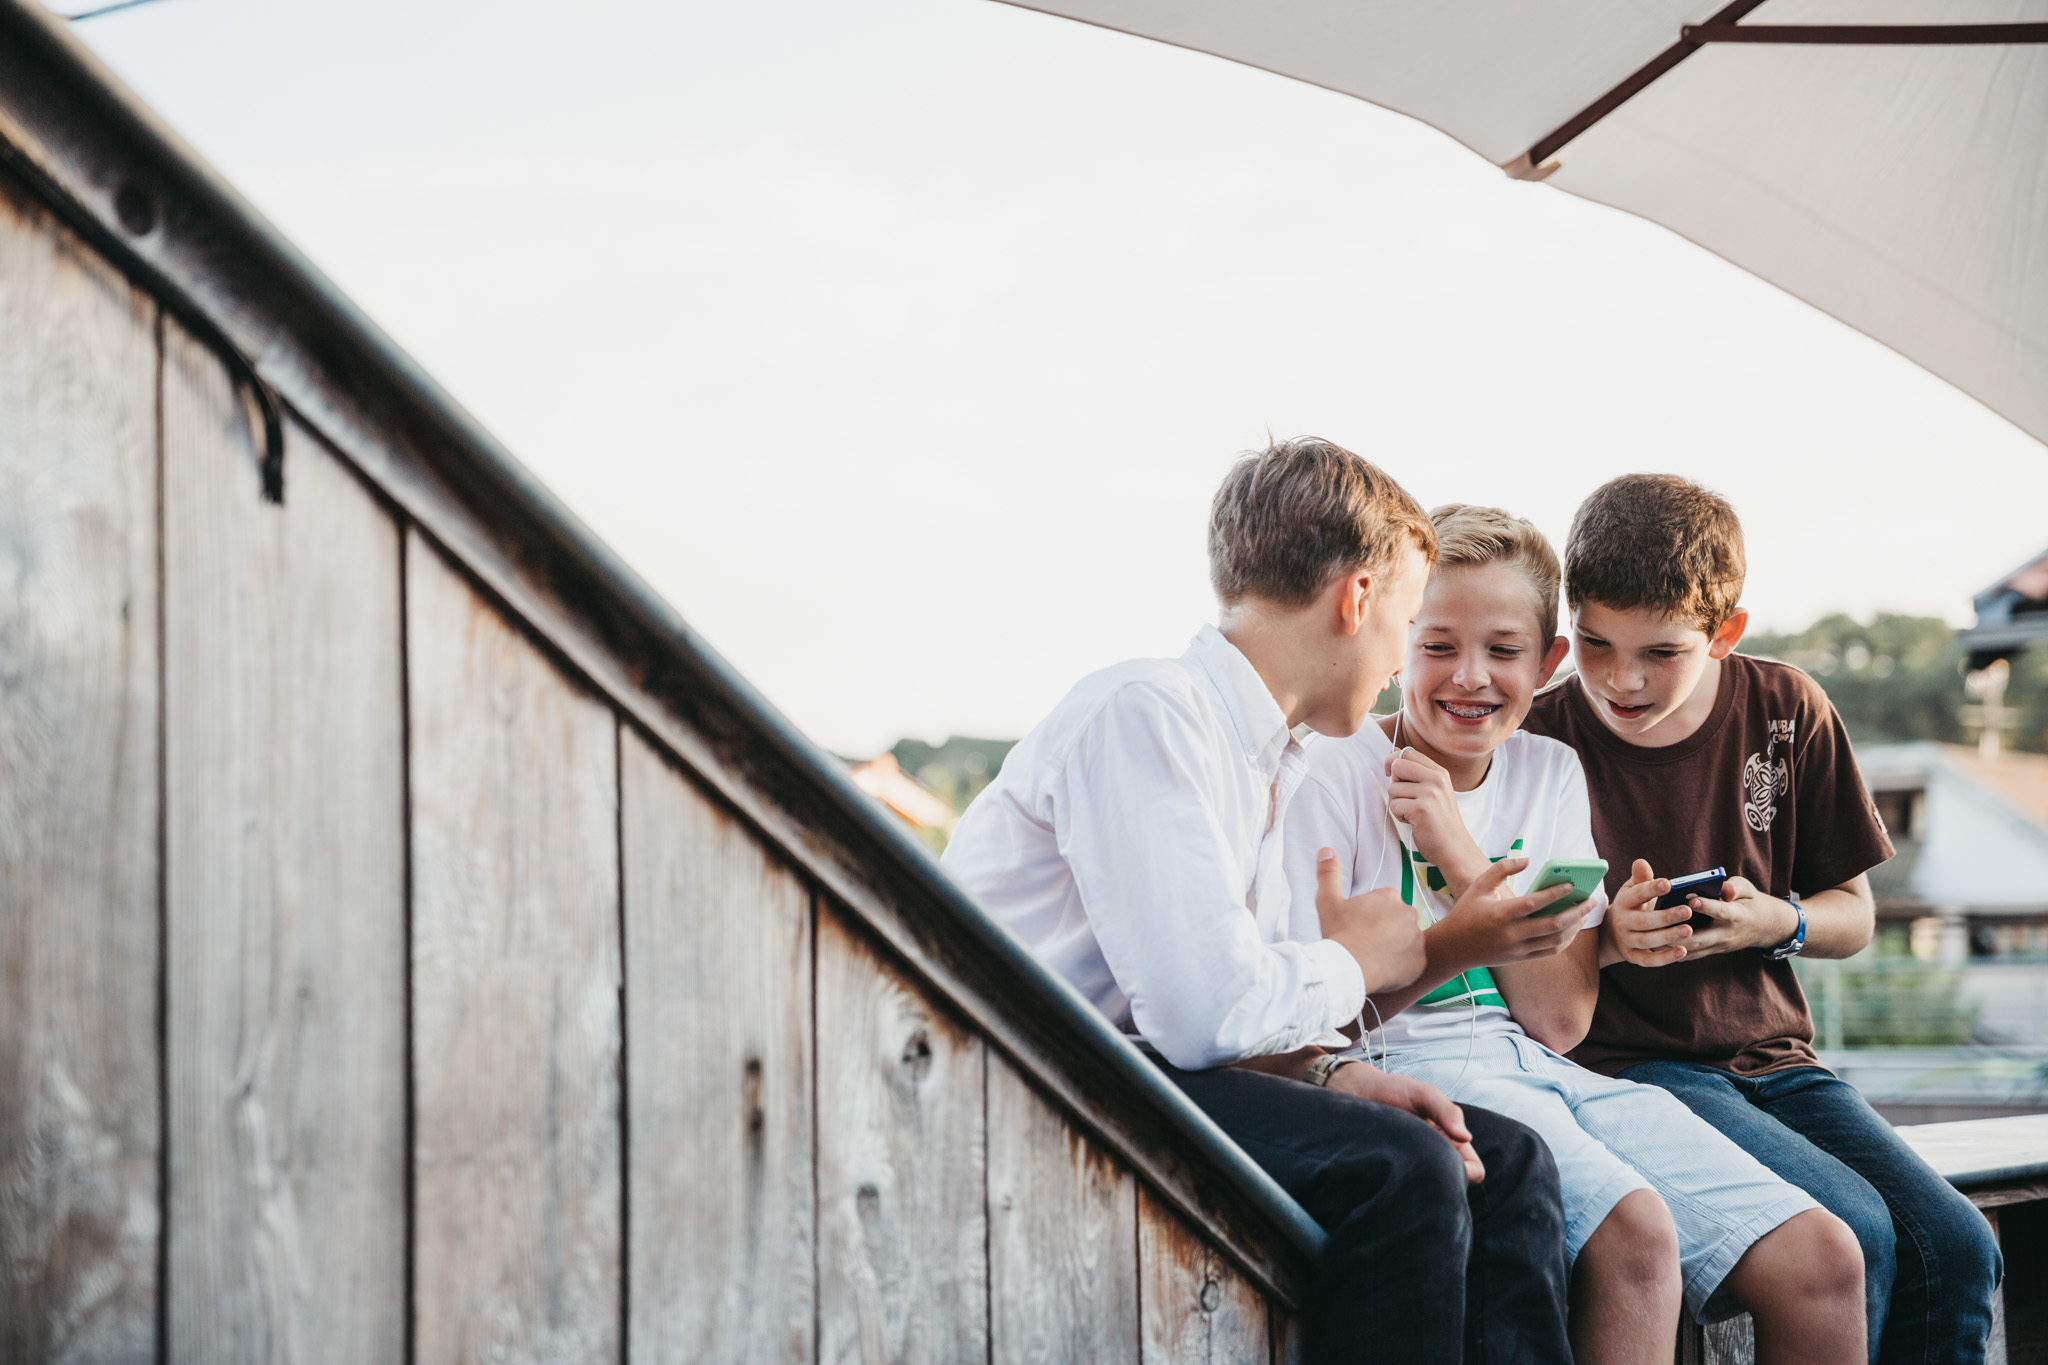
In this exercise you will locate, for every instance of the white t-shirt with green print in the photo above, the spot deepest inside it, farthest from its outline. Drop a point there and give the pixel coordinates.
(1532, 804)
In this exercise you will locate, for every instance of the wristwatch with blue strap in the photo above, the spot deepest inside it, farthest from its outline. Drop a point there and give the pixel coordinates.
(1791, 946)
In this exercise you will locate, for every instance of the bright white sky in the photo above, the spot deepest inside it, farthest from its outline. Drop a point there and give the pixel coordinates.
(901, 343)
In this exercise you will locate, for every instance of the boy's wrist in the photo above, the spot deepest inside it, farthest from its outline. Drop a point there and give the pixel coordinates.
(1445, 950)
(1793, 924)
(1458, 858)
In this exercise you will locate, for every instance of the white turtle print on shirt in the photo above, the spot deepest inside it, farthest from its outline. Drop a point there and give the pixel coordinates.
(1765, 778)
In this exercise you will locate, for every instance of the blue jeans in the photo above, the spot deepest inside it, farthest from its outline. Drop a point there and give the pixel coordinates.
(1930, 1262)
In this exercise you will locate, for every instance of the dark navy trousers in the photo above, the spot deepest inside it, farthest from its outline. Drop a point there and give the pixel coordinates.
(1421, 1268)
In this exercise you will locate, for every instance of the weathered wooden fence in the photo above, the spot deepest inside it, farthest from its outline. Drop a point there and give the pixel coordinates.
(416, 945)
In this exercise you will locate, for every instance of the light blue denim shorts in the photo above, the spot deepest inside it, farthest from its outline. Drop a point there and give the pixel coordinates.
(1610, 1137)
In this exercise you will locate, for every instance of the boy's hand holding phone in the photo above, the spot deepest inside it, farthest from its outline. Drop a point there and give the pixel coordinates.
(1638, 930)
(1649, 935)
(1743, 917)
(1377, 928)
(1490, 926)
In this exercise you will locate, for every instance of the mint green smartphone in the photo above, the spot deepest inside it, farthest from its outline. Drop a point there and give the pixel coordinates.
(1585, 875)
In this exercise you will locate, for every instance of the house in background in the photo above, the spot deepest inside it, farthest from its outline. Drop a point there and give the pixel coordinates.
(2012, 614)
(1945, 1016)
(908, 799)
(1971, 876)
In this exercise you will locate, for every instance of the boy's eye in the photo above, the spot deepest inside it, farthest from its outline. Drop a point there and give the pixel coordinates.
(1506, 652)
(1436, 647)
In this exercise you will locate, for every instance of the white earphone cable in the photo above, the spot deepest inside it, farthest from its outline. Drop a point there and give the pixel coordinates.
(1422, 894)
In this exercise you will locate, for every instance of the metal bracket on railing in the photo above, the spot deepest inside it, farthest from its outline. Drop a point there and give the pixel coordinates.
(138, 217)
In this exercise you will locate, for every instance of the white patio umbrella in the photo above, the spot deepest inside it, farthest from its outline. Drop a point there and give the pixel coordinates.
(1885, 160)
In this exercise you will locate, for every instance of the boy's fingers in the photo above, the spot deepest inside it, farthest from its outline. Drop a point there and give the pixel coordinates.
(1435, 1106)
(1640, 871)
(1328, 884)
(1490, 880)
(1638, 894)
(1526, 907)
(1676, 935)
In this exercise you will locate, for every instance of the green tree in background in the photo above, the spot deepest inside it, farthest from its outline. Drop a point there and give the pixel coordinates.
(1901, 677)
(956, 770)
(1895, 678)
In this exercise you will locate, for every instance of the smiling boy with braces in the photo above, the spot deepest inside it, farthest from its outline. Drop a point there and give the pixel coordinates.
(1659, 1205)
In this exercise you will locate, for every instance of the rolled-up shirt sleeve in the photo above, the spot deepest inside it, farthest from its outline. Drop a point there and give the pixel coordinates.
(1135, 812)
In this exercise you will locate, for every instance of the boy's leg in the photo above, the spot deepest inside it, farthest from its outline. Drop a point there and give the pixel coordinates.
(1403, 1260)
(1625, 1291)
(1724, 1101)
(1517, 1281)
(1802, 1282)
(1626, 1294)
(1948, 1260)
(1748, 1237)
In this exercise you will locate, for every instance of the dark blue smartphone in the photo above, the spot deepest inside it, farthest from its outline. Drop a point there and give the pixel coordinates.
(1706, 885)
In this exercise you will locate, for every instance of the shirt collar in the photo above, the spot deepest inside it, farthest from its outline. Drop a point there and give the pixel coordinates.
(1260, 723)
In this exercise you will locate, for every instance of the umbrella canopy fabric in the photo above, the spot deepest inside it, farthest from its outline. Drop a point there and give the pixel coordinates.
(1897, 180)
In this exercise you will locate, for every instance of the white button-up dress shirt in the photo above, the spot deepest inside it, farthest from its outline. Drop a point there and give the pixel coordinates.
(1133, 840)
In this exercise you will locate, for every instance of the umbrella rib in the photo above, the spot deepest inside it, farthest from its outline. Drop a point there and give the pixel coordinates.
(1919, 35)
(1529, 165)
(1724, 28)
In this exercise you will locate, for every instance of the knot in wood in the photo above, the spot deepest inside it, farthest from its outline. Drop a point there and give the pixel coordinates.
(868, 1200)
(750, 1095)
(135, 209)
(917, 1056)
(1211, 1296)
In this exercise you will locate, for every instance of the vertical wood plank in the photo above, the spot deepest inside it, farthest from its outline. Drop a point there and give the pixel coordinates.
(1996, 1347)
(902, 1192)
(516, 975)
(1063, 1226)
(80, 939)
(718, 1010)
(1290, 1341)
(284, 895)
(1732, 1342)
(1197, 1309)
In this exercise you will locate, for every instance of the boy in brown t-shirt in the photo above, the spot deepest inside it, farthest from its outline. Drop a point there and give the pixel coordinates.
(1697, 757)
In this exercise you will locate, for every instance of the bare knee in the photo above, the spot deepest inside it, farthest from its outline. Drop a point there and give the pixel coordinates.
(1636, 1245)
(1810, 1256)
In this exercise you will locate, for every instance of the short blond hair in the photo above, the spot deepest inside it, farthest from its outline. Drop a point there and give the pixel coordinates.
(1293, 516)
(1660, 542)
(1466, 534)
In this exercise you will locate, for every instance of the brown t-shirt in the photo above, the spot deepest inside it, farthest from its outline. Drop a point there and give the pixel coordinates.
(1768, 789)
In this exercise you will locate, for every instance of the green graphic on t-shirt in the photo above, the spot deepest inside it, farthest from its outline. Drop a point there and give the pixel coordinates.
(1471, 988)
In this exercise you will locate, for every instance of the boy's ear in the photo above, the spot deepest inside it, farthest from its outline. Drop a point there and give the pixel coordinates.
(1729, 635)
(1353, 592)
(1553, 659)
